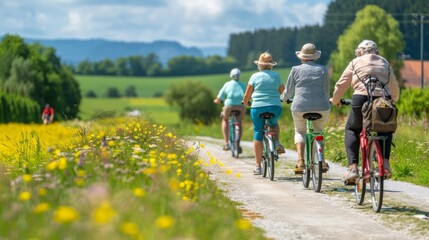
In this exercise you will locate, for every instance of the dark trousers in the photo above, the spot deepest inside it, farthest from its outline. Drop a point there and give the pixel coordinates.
(354, 128)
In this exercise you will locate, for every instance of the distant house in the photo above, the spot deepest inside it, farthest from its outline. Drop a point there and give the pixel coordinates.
(411, 73)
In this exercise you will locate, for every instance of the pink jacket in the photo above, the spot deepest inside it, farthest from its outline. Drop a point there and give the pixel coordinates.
(368, 64)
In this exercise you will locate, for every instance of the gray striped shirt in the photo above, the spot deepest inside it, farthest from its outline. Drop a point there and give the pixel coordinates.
(308, 84)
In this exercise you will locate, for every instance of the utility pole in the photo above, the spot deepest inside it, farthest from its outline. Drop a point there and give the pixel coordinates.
(422, 22)
(422, 61)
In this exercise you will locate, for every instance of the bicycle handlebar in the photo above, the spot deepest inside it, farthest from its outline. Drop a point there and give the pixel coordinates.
(345, 101)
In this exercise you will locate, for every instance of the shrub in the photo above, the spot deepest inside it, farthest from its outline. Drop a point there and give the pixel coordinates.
(414, 103)
(113, 92)
(131, 91)
(91, 94)
(194, 100)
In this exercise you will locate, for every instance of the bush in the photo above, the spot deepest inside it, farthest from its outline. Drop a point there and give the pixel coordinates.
(91, 94)
(414, 103)
(113, 92)
(131, 91)
(194, 100)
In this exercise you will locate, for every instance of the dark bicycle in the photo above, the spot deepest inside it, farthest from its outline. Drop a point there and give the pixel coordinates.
(269, 155)
(234, 133)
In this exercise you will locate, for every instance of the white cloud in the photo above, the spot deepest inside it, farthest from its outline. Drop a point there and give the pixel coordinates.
(191, 22)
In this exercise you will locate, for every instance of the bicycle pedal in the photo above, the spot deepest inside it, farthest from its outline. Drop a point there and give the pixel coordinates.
(350, 182)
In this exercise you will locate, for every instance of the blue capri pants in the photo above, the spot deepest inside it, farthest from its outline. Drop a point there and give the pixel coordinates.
(258, 122)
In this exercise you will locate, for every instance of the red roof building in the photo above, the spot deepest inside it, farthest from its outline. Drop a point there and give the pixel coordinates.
(411, 73)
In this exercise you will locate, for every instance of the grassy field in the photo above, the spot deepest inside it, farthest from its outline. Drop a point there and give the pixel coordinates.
(149, 86)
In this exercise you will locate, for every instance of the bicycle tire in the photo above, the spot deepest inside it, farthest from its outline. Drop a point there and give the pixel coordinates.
(231, 137)
(376, 181)
(316, 167)
(236, 140)
(264, 158)
(270, 160)
(360, 183)
(306, 173)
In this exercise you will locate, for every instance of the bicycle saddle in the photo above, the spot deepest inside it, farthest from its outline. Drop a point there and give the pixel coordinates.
(266, 115)
(312, 116)
(235, 112)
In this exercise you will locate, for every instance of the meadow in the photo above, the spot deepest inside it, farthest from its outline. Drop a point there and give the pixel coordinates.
(113, 178)
(408, 156)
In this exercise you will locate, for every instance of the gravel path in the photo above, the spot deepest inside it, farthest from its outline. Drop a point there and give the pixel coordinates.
(287, 210)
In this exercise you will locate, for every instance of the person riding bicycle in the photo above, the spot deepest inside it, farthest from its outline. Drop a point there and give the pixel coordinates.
(367, 62)
(231, 93)
(47, 114)
(264, 88)
(308, 84)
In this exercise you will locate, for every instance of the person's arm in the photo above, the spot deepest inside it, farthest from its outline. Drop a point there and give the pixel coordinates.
(247, 94)
(289, 91)
(393, 86)
(342, 85)
(221, 95)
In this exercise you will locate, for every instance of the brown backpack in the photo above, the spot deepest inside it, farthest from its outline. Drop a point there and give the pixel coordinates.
(379, 112)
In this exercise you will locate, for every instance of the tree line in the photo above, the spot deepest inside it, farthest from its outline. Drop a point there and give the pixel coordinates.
(151, 66)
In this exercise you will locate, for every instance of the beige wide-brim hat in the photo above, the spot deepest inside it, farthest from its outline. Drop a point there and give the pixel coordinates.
(265, 59)
(308, 52)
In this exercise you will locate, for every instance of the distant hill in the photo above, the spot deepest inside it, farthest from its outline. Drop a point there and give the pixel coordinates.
(73, 51)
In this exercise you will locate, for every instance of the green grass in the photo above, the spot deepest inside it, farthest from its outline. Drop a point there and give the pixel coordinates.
(153, 108)
(149, 86)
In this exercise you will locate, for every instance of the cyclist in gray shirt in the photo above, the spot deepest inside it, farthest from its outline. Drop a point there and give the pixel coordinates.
(308, 84)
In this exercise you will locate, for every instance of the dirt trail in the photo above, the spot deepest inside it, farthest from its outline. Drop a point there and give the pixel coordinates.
(287, 210)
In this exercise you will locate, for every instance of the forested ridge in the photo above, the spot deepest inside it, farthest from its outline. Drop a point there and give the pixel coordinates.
(283, 42)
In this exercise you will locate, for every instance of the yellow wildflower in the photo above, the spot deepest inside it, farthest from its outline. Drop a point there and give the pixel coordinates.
(24, 196)
(243, 224)
(103, 214)
(129, 228)
(65, 214)
(41, 208)
(27, 178)
(228, 171)
(42, 192)
(52, 165)
(164, 222)
(62, 163)
(139, 192)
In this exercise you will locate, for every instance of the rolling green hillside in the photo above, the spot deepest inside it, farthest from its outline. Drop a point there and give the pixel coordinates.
(151, 86)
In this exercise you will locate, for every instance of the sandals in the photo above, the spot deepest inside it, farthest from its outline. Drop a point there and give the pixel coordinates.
(300, 166)
(226, 147)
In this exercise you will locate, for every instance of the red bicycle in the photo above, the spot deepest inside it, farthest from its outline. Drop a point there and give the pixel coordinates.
(372, 169)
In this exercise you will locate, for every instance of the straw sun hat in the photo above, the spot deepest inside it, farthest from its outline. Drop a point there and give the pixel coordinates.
(265, 59)
(308, 52)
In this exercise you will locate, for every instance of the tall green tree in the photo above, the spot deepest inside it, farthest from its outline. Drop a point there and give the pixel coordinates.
(371, 23)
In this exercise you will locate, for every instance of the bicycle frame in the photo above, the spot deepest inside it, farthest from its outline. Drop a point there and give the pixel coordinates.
(234, 133)
(269, 154)
(314, 151)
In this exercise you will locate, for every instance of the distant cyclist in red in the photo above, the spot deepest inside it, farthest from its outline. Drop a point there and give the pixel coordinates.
(48, 114)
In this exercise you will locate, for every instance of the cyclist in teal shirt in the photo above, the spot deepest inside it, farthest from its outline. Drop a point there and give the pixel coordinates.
(231, 93)
(264, 87)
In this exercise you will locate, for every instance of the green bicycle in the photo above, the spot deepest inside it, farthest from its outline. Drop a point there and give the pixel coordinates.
(314, 152)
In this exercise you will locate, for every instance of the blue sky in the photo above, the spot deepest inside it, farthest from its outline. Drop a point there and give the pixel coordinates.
(199, 23)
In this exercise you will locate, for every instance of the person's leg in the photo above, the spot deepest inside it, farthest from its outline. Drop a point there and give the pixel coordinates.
(352, 135)
(226, 111)
(239, 118)
(273, 123)
(258, 126)
(387, 145)
(299, 138)
(225, 130)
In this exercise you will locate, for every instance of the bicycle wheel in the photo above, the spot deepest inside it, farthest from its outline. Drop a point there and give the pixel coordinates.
(360, 183)
(270, 159)
(236, 139)
(316, 167)
(231, 137)
(306, 173)
(264, 158)
(376, 181)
